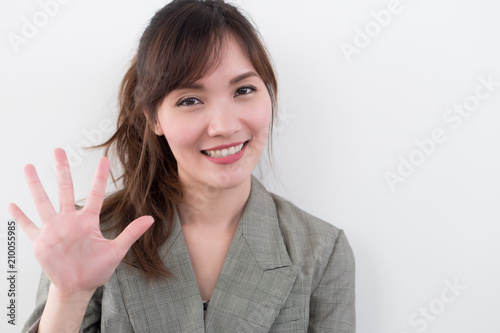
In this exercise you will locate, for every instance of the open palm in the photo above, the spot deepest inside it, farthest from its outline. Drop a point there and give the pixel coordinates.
(69, 246)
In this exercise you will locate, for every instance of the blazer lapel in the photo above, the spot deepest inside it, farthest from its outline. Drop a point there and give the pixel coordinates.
(257, 275)
(255, 281)
(156, 306)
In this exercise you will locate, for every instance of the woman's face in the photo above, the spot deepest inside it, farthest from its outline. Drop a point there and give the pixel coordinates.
(217, 128)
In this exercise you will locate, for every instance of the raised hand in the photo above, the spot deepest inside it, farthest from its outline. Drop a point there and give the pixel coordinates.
(69, 246)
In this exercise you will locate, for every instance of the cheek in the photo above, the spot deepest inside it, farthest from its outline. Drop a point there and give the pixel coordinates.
(259, 120)
(181, 134)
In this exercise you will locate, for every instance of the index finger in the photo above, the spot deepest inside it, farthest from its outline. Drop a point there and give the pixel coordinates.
(97, 192)
(40, 198)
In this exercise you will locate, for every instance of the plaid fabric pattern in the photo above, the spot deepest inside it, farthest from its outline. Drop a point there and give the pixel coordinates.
(286, 271)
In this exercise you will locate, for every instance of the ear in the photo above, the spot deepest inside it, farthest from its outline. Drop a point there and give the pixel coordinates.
(157, 129)
(156, 126)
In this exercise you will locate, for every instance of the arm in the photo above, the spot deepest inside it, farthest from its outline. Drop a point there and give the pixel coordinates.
(90, 318)
(332, 305)
(63, 312)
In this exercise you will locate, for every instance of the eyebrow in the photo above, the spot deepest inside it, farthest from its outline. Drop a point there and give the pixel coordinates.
(241, 77)
(233, 81)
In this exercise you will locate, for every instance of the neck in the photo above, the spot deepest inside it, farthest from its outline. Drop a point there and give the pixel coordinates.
(211, 207)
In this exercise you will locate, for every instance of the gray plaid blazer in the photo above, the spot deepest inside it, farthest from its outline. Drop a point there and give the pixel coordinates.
(286, 271)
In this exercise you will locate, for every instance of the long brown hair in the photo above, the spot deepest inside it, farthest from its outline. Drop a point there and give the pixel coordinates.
(181, 43)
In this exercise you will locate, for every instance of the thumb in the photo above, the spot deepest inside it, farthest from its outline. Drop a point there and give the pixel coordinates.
(132, 233)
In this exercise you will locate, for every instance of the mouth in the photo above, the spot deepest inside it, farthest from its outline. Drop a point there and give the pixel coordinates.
(224, 152)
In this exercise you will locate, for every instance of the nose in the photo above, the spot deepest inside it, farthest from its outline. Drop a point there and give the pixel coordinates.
(224, 120)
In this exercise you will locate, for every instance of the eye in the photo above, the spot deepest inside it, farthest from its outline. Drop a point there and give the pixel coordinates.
(244, 91)
(188, 101)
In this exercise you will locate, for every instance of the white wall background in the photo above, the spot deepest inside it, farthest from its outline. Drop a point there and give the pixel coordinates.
(346, 122)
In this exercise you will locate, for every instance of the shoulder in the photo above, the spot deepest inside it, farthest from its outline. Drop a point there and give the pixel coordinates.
(307, 237)
(291, 216)
(320, 248)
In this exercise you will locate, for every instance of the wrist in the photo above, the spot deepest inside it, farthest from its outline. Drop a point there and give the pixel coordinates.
(73, 295)
(64, 310)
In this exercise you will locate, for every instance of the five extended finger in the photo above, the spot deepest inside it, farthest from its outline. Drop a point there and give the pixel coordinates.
(29, 227)
(64, 181)
(97, 192)
(42, 202)
(132, 233)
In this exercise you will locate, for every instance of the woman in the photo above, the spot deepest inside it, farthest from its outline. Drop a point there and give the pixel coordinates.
(223, 254)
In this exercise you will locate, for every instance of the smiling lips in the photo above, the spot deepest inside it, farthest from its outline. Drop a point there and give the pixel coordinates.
(225, 154)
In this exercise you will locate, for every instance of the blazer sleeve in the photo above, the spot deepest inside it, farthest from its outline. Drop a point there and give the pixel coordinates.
(332, 303)
(92, 318)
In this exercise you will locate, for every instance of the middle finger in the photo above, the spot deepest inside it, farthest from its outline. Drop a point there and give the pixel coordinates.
(64, 181)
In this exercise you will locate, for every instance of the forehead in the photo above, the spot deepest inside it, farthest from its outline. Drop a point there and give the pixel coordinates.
(232, 61)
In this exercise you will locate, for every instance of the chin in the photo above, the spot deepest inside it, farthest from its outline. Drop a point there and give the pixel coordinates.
(228, 179)
(231, 175)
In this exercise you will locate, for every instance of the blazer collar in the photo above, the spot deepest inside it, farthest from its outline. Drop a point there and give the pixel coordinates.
(259, 228)
(255, 280)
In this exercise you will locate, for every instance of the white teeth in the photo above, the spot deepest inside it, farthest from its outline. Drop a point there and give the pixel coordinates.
(224, 152)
